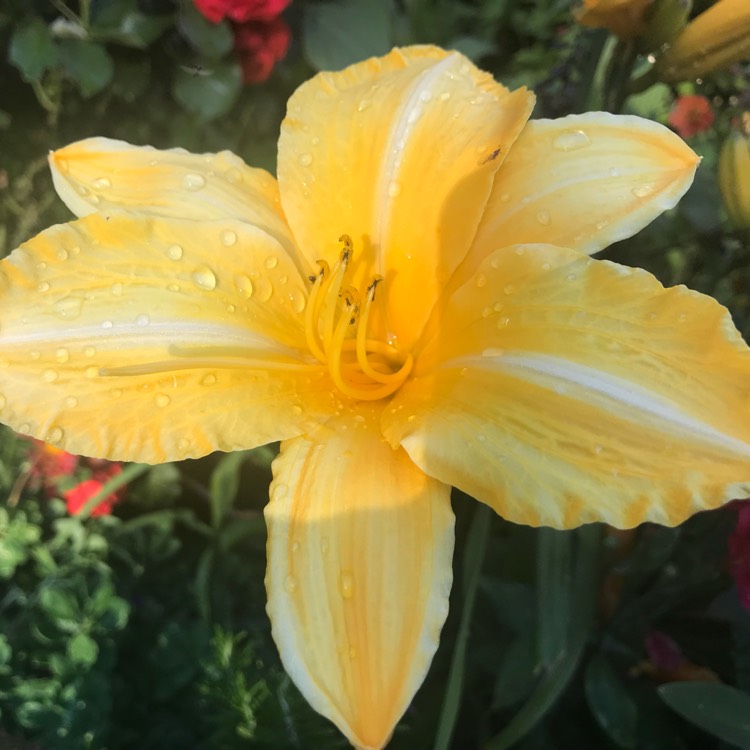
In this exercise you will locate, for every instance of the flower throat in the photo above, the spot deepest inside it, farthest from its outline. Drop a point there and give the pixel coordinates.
(336, 323)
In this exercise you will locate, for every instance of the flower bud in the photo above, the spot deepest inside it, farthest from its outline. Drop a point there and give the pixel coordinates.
(715, 39)
(625, 19)
(734, 177)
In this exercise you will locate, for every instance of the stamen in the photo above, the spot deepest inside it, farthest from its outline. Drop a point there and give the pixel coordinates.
(311, 313)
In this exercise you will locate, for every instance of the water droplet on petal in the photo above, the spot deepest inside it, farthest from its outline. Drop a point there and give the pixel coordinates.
(193, 182)
(445, 96)
(504, 197)
(92, 372)
(204, 278)
(228, 238)
(142, 320)
(71, 402)
(297, 298)
(394, 189)
(162, 400)
(265, 289)
(346, 584)
(305, 160)
(296, 410)
(509, 289)
(62, 355)
(182, 445)
(642, 191)
(208, 379)
(117, 289)
(55, 435)
(102, 183)
(62, 254)
(233, 175)
(295, 546)
(50, 375)
(571, 140)
(42, 286)
(481, 280)
(107, 324)
(493, 352)
(503, 322)
(543, 217)
(290, 584)
(244, 286)
(24, 428)
(174, 252)
(271, 262)
(89, 351)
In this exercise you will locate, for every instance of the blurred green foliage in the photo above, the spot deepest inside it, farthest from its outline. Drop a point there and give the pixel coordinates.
(147, 629)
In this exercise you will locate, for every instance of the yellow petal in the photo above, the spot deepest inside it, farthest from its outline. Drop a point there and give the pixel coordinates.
(399, 153)
(359, 572)
(583, 181)
(715, 39)
(106, 175)
(563, 390)
(151, 339)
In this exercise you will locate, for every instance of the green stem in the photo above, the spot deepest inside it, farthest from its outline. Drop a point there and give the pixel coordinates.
(127, 475)
(476, 545)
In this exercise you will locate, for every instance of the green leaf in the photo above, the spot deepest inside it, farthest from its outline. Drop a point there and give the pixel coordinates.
(211, 40)
(337, 34)
(5, 651)
(87, 64)
(720, 710)
(59, 603)
(210, 95)
(83, 650)
(225, 483)
(553, 593)
(32, 50)
(610, 703)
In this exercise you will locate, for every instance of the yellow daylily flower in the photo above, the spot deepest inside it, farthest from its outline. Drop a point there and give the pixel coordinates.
(623, 18)
(401, 312)
(717, 38)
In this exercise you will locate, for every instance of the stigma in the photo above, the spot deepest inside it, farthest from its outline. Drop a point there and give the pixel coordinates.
(336, 329)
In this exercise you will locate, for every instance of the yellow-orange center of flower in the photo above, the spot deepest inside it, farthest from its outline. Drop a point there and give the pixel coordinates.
(336, 327)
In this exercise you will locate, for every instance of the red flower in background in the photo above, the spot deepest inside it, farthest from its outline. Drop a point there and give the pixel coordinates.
(691, 115)
(260, 45)
(49, 466)
(241, 11)
(77, 497)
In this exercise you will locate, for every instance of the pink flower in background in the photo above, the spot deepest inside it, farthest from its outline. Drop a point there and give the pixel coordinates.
(691, 115)
(259, 46)
(77, 497)
(241, 11)
(739, 553)
(49, 467)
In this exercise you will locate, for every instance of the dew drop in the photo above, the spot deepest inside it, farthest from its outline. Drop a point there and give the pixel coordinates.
(102, 183)
(571, 140)
(265, 289)
(394, 189)
(244, 286)
(642, 191)
(62, 254)
(50, 375)
(233, 175)
(117, 289)
(598, 449)
(182, 445)
(493, 352)
(55, 435)
(173, 287)
(142, 320)
(296, 410)
(571, 277)
(34, 354)
(204, 278)
(614, 172)
(89, 351)
(295, 546)
(174, 252)
(362, 106)
(228, 238)
(290, 584)
(116, 392)
(546, 266)
(503, 322)
(445, 96)
(509, 289)
(305, 160)
(486, 311)
(107, 324)
(62, 355)
(346, 584)
(504, 197)
(520, 250)
(481, 280)
(682, 317)
(92, 372)
(193, 182)
(42, 286)
(543, 217)
(71, 402)
(352, 652)
(297, 298)
(209, 379)
(271, 262)
(162, 400)
(24, 428)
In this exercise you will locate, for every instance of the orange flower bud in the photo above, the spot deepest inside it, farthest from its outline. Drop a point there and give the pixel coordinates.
(624, 18)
